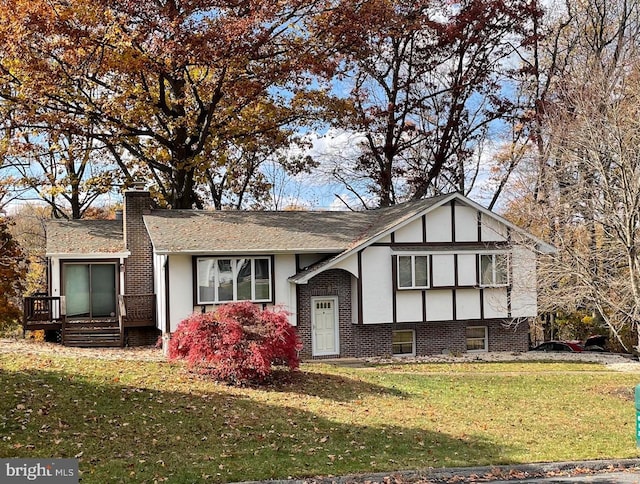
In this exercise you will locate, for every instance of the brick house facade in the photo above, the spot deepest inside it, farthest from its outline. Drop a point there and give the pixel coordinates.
(362, 341)
(427, 277)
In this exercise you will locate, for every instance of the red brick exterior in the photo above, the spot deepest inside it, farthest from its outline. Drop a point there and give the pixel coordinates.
(141, 336)
(336, 283)
(139, 265)
(368, 340)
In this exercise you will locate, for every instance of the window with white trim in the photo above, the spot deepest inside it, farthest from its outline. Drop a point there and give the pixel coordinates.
(477, 340)
(226, 279)
(494, 270)
(413, 271)
(403, 342)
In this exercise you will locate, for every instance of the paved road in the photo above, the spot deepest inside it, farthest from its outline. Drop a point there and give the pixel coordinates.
(614, 471)
(606, 478)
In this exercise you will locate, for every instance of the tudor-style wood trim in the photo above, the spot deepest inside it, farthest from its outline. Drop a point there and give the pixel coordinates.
(439, 288)
(448, 246)
(431, 271)
(298, 268)
(477, 270)
(509, 301)
(424, 306)
(482, 303)
(359, 288)
(455, 270)
(454, 309)
(272, 262)
(424, 229)
(469, 322)
(394, 288)
(194, 276)
(479, 226)
(453, 221)
(392, 236)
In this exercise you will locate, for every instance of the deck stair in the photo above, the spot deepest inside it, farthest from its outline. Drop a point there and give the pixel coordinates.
(92, 334)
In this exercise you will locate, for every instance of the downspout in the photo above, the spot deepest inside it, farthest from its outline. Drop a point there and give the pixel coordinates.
(166, 330)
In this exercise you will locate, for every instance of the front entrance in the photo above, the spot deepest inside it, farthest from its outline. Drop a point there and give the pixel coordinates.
(324, 323)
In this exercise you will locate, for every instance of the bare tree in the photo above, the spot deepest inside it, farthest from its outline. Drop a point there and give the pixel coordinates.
(585, 163)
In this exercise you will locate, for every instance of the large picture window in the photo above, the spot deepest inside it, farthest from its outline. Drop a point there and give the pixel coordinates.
(494, 270)
(223, 279)
(413, 271)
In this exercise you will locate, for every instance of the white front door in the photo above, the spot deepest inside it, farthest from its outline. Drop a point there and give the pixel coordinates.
(324, 321)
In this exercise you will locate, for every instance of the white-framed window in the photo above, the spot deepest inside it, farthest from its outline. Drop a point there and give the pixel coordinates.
(413, 271)
(477, 339)
(226, 279)
(494, 270)
(403, 342)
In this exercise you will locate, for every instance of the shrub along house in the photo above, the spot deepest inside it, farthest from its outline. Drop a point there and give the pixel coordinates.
(440, 274)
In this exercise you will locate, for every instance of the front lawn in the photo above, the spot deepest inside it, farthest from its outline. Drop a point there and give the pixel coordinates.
(135, 421)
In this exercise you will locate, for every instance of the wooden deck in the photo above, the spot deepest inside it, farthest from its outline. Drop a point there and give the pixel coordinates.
(43, 312)
(49, 313)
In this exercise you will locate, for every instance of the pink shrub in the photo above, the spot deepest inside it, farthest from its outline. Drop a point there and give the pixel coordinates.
(238, 343)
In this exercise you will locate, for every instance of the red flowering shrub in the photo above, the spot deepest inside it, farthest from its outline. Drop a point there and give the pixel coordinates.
(238, 343)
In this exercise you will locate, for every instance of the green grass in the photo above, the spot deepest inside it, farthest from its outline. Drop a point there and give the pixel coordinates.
(134, 421)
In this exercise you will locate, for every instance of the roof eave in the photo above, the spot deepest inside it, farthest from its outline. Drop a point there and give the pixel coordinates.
(365, 243)
(540, 245)
(267, 251)
(88, 255)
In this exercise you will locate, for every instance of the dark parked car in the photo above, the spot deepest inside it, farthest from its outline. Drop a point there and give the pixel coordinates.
(596, 342)
(558, 346)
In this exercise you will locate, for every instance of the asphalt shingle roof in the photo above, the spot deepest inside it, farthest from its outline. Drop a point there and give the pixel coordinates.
(193, 231)
(84, 236)
(232, 231)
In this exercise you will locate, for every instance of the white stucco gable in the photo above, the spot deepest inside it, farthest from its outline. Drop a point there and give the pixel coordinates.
(433, 224)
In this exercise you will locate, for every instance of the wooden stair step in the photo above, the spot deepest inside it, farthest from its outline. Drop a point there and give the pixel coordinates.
(92, 334)
(92, 330)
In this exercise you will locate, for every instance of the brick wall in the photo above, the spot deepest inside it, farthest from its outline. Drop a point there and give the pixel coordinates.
(375, 339)
(138, 275)
(509, 338)
(139, 265)
(141, 336)
(332, 283)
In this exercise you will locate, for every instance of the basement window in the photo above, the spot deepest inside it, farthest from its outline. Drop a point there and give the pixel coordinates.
(403, 343)
(477, 340)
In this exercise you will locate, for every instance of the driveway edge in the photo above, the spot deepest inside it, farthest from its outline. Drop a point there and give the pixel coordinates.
(513, 472)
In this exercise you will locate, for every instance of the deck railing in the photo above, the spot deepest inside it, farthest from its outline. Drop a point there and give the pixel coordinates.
(48, 311)
(137, 310)
(44, 308)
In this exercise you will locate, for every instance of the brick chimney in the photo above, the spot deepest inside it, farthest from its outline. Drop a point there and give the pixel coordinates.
(139, 265)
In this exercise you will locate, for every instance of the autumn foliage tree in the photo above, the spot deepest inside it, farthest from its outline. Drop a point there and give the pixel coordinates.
(12, 275)
(237, 344)
(428, 81)
(168, 83)
(67, 171)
